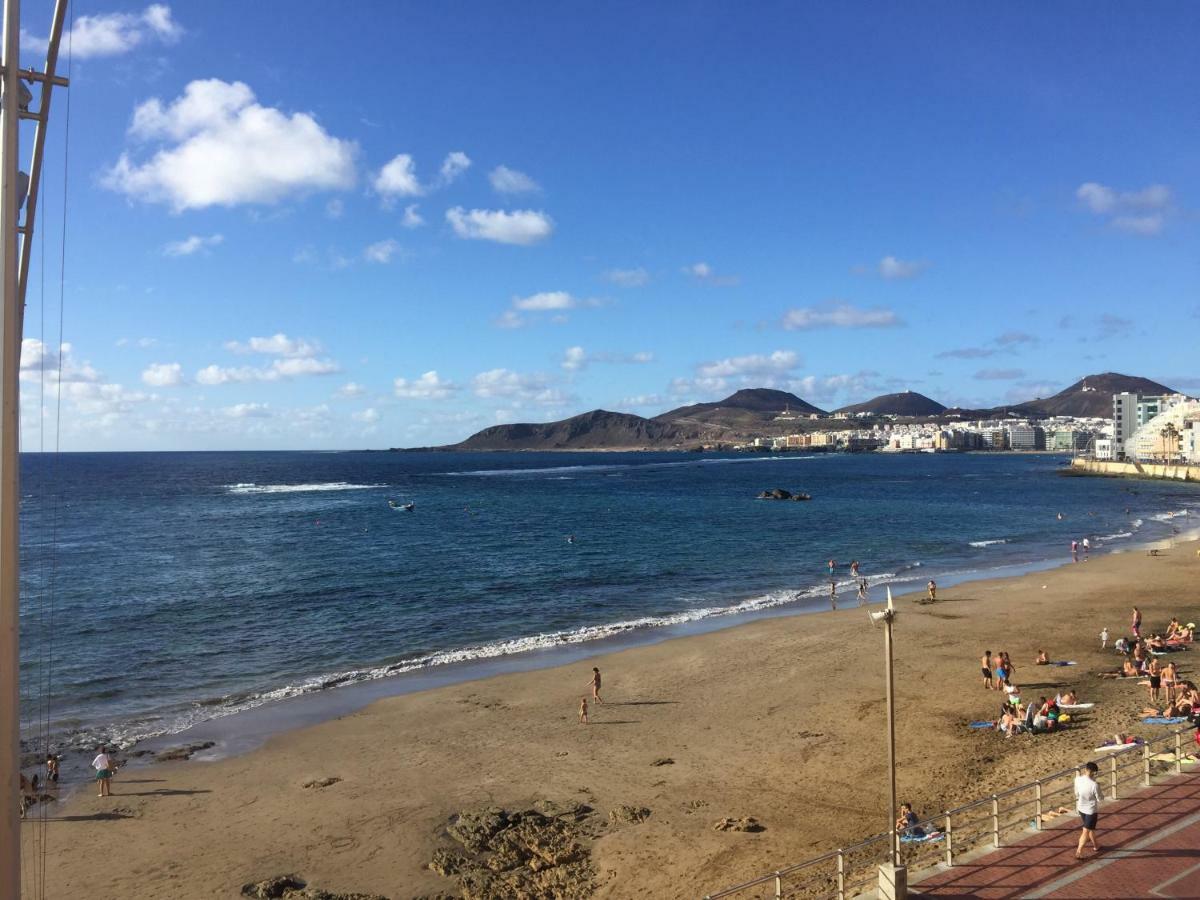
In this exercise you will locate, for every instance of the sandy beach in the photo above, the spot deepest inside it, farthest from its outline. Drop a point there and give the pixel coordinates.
(780, 719)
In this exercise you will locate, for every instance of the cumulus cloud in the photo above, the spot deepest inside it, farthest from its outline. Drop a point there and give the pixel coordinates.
(1142, 212)
(576, 359)
(278, 344)
(277, 370)
(398, 178)
(895, 269)
(627, 278)
(509, 181)
(776, 363)
(510, 318)
(522, 388)
(848, 386)
(454, 165)
(351, 389)
(163, 375)
(429, 386)
(368, 416)
(838, 314)
(702, 271)
(382, 251)
(113, 34)
(247, 411)
(193, 244)
(546, 300)
(411, 218)
(217, 146)
(521, 226)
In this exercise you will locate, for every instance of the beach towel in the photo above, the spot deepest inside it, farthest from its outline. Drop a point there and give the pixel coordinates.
(1070, 662)
(1164, 720)
(1108, 748)
(923, 839)
(1076, 705)
(982, 725)
(1170, 757)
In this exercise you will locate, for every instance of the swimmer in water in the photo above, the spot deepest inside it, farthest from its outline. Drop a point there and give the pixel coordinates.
(570, 539)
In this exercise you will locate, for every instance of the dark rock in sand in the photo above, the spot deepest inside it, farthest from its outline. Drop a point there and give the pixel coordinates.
(663, 761)
(632, 815)
(185, 752)
(322, 782)
(293, 887)
(741, 823)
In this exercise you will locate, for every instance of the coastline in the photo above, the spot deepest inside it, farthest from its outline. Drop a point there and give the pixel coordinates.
(765, 718)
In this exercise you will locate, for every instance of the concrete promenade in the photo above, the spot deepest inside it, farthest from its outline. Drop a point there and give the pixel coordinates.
(1149, 847)
(1160, 471)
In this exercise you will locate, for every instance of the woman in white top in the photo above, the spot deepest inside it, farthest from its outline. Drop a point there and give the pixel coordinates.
(104, 769)
(1087, 803)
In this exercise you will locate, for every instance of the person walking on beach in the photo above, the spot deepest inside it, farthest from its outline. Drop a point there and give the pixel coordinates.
(104, 770)
(583, 719)
(862, 592)
(594, 684)
(932, 588)
(1087, 804)
(1103, 638)
(1087, 546)
(1136, 624)
(985, 664)
(1074, 551)
(833, 593)
(854, 569)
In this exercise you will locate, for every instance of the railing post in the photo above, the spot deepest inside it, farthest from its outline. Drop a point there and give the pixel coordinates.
(949, 841)
(995, 821)
(841, 875)
(1179, 753)
(1145, 765)
(1112, 776)
(1037, 807)
(778, 886)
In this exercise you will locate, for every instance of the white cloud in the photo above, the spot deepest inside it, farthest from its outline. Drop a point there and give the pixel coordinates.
(523, 387)
(838, 315)
(193, 244)
(509, 319)
(1141, 212)
(368, 416)
(521, 226)
(412, 218)
(140, 342)
(640, 401)
(278, 344)
(163, 375)
(382, 251)
(509, 181)
(574, 359)
(247, 411)
(111, 34)
(429, 386)
(351, 389)
(399, 178)
(454, 165)
(825, 388)
(219, 147)
(39, 359)
(546, 300)
(627, 277)
(702, 271)
(277, 370)
(895, 269)
(756, 364)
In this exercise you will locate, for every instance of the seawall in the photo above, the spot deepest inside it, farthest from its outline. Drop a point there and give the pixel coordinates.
(1162, 471)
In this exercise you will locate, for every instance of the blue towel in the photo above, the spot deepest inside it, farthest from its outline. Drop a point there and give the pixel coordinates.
(981, 725)
(923, 839)
(1063, 663)
(1164, 720)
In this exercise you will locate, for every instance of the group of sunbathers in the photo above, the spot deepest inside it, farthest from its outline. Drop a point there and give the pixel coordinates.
(1178, 696)
(1040, 717)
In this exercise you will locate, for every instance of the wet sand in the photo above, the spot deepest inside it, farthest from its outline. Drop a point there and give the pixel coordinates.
(780, 719)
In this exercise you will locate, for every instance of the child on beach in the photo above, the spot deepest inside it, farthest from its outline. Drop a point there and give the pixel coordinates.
(1103, 638)
(1137, 622)
(52, 770)
(594, 684)
(104, 769)
(583, 719)
(1042, 659)
(862, 592)
(932, 588)
(985, 665)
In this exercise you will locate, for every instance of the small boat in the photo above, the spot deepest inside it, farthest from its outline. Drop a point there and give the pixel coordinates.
(406, 507)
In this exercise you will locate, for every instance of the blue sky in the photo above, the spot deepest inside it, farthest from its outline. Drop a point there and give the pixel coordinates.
(405, 222)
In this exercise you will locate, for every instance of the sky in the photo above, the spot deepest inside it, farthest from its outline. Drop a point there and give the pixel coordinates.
(398, 223)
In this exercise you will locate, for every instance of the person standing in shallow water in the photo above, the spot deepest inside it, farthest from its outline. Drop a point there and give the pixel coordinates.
(104, 768)
(594, 684)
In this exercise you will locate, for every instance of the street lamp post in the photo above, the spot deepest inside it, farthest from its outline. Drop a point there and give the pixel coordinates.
(893, 877)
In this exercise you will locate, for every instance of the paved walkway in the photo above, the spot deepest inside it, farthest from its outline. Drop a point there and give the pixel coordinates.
(1150, 847)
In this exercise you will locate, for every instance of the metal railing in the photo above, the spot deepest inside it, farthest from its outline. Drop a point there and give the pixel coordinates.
(973, 829)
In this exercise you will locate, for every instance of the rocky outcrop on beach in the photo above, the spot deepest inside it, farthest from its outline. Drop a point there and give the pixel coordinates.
(781, 494)
(185, 752)
(740, 823)
(629, 815)
(541, 853)
(293, 887)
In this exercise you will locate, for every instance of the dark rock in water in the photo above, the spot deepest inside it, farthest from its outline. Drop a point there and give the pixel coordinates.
(293, 887)
(663, 761)
(781, 494)
(741, 823)
(531, 854)
(633, 815)
(184, 752)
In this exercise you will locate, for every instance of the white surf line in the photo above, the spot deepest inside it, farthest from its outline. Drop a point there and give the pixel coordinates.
(1113, 856)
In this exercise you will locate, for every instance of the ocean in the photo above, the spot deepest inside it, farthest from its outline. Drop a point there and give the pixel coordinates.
(162, 590)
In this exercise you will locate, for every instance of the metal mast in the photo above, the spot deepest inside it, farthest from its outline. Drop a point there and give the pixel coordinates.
(14, 265)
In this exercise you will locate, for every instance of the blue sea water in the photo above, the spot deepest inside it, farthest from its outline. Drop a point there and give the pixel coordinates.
(164, 589)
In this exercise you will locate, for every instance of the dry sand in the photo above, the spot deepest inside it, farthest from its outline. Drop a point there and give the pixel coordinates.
(781, 719)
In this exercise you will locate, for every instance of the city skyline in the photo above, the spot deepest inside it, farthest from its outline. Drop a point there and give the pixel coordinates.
(521, 215)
